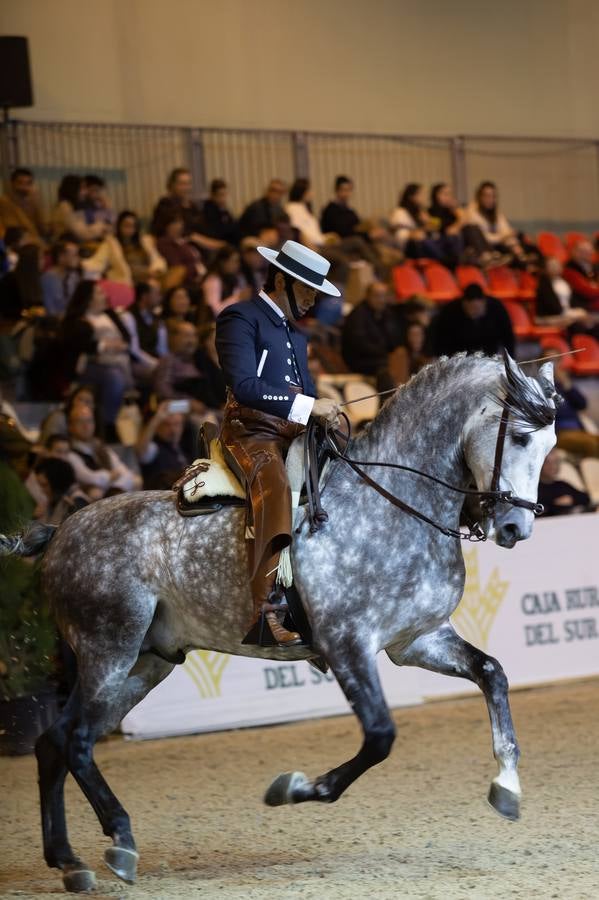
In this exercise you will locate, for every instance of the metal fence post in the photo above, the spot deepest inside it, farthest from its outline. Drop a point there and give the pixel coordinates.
(197, 162)
(8, 145)
(301, 159)
(458, 169)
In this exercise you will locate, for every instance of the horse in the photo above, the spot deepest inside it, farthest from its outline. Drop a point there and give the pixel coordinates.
(134, 586)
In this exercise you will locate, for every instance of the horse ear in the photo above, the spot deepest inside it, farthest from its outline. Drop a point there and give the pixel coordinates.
(546, 371)
(510, 364)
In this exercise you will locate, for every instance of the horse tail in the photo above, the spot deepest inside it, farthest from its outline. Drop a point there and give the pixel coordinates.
(33, 540)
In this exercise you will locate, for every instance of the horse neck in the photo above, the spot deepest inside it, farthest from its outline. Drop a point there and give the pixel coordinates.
(422, 425)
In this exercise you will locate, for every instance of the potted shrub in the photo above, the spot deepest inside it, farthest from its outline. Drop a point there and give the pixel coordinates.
(27, 658)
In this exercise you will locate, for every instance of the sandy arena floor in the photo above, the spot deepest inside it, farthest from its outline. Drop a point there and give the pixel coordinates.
(417, 826)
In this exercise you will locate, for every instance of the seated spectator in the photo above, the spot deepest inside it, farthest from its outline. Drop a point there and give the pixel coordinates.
(14, 239)
(126, 257)
(253, 265)
(160, 448)
(20, 207)
(61, 494)
(558, 497)
(67, 217)
(149, 340)
(445, 222)
(299, 210)
(181, 254)
(338, 217)
(55, 423)
(223, 284)
(59, 282)
(178, 203)
(411, 356)
(96, 465)
(487, 230)
(266, 212)
(177, 307)
(188, 373)
(96, 206)
(572, 435)
(95, 347)
(472, 323)
(581, 274)
(415, 232)
(217, 220)
(370, 333)
(57, 447)
(21, 289)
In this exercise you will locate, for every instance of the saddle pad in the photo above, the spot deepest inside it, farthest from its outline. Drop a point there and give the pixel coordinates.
(211, 478)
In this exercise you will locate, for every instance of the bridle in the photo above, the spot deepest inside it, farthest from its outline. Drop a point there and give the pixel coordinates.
(317, 516)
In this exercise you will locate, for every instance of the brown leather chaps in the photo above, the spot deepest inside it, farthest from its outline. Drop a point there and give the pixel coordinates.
(258, 443)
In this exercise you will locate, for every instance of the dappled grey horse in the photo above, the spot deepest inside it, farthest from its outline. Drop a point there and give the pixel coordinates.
(134, 586)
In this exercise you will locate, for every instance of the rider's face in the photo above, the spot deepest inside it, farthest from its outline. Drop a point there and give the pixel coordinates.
(305, 296)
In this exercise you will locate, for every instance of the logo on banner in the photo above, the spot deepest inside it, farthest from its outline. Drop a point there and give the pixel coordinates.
(479, 606)
(205, 668)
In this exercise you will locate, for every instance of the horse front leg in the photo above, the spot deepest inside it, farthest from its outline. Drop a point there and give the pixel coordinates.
(446, 652)
(357, 675)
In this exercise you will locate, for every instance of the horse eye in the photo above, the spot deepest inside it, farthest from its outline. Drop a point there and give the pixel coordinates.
(521, 440)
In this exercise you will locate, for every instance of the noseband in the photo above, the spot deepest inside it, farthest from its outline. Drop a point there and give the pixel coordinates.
(488, 499)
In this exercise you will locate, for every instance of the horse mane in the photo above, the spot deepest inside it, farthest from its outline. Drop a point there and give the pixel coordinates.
(532, 401)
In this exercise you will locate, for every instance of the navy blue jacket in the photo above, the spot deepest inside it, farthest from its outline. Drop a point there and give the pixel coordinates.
(243, 332)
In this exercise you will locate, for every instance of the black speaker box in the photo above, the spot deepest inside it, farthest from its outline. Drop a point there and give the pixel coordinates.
(15, 75)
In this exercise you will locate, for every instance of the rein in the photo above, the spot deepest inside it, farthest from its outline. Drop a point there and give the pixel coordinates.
(317, 516)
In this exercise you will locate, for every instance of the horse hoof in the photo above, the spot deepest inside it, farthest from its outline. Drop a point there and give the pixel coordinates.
(122, 862)
(79, 881)
(287, 788)
(504, 802)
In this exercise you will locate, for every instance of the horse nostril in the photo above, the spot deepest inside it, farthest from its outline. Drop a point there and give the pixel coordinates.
(511, 532)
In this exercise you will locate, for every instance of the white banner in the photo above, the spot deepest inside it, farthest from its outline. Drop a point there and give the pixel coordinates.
(535, 608)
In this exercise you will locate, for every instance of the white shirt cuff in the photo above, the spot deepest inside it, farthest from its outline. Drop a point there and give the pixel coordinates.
(301, 408)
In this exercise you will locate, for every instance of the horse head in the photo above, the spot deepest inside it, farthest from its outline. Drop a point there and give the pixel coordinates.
(514, 463)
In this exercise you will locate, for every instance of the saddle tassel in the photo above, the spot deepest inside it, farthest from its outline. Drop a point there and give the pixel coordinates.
(284, 570)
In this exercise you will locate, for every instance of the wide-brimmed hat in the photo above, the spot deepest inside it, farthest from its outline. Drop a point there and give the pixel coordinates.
(303, 264)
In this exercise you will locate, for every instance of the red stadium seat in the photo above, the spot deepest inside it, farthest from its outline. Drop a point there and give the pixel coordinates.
(551, 245)
(466, 275)
(118, 295)
(521, 324)
(559, 344)
(441, 286)
(503, 283)
(573, 237)
(407, 281)
(587, 362)
(527, 287)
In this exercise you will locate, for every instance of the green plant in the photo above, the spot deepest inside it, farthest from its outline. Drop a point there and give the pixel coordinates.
(27, 631)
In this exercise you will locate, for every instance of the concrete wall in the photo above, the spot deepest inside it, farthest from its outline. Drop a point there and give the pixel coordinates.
(440, 67)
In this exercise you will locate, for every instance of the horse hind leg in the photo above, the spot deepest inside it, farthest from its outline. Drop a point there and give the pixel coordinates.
(358, 677)
(446, 652)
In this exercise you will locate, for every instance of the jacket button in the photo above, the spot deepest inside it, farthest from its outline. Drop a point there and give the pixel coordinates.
(288, 345)
(264, 397)
(270, 397)
(285, 398)
(287, 378)
(288, 362)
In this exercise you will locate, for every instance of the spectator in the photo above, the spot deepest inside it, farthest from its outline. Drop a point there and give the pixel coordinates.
(572, 435)
(160, 448)
(55, 423)
(149, 340)
(370, 333)
(96, 206)
(126, 257)
(95, 345)
(253, 265)
(59, 282)
(411, 356)
(67, 217)
(266, 212)
(218, 222)
(223, 285)
(188, 373)
(472, 323)
(445, 221)
(57, 447)
(20, 208)
(338, 217)
(96, 465)
(177, 307)
(180, 254)
(581, 275)
(21, 289)
(488, 231)
(178, 203)
(14, 239)
(299, 210)
(558, 497)
(410, 223)
(61, 493)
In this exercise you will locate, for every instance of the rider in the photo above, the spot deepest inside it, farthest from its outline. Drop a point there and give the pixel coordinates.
(271, 396)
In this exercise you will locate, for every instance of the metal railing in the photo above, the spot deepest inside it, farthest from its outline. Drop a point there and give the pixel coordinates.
(544, 182)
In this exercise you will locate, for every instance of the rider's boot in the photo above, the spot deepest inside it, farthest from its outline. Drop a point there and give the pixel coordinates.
(270, 609)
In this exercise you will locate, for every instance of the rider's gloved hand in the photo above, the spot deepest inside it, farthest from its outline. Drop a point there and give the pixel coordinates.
(326, 410)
